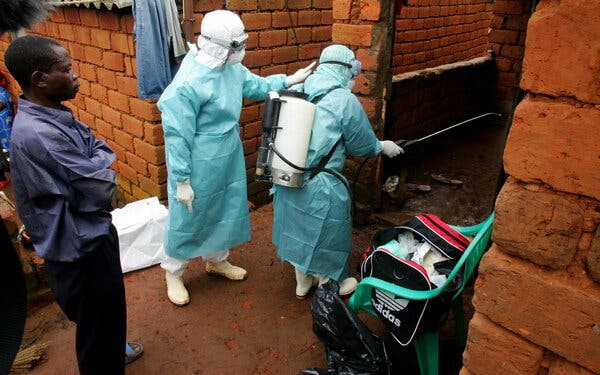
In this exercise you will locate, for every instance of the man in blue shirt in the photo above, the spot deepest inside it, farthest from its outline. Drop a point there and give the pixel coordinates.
(63, 187)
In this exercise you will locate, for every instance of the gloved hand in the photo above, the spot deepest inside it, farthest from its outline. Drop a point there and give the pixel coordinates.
(185, 194)
(391, 149)
(300, 75)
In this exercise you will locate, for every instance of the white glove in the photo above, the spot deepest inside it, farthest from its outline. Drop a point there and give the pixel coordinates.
(300, 75)
(185, 194)
(391, 149)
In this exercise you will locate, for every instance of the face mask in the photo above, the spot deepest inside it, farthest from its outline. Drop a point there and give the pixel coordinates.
(350, 84)
(236, 57)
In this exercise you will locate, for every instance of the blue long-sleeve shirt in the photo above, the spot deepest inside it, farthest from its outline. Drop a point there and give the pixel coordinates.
(62, 181)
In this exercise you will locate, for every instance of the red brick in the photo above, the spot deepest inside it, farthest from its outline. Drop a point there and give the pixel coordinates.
(130, 68)
(118, 101)
(327, 17)
(157, 190)
(119, 43)
(272, 38)
(298, 4)
(123, 139)
(145, 109)
(367, 58)
(89, 17)
(285, 54)
(271, 4)
(106, 78)
(104, 129)
(256, 21)
(354, 35)
(111, 116)
(133, 126)
(93, 106)
(257, 58)
(504, 36)
(370, 10)
(309, 51)
(365, 83)
(150, 153)
(127, 171)
(118, 150)
(253, 130)
(242, 5)
(322, 4)
(153, 134)
(514, 52)
(127, 23)
(372, 107)
(82, 34)
(127, 85)
(299, 35)
(86, 117)
(113, 61)
(77, 51)
(250, 146)
(72, 16)
(138, 193)
(341, 9)
(66, 31)
(98, 92)
(58, 15)
(101, 38)
(249, 114)
(252, 41)
(158, 173)
(309, 17)
(109, 20)
(52, 30)
(137, 163)
(93, 55)
(488, 345)
(507, 7)
(285, 19)
(321, 34)
(88, 72)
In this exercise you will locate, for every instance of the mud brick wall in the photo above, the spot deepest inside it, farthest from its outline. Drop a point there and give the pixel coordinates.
(537, 298)
(436, 32)
(428, 100)
(283, 37)
(507, 41)
(103, 53)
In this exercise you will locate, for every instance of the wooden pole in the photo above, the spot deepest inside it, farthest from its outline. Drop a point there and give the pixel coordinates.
(187, 23)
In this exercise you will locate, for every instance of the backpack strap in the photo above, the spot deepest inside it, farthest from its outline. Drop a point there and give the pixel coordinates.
(318, 98)
(323, 162)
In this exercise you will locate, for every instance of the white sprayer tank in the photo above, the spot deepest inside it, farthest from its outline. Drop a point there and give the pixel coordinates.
(293, 136)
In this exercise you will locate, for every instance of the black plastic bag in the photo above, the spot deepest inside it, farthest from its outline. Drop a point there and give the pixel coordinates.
(350, 346)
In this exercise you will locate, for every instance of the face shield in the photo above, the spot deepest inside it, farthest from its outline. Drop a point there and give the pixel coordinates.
(236, 44)
(354, 66)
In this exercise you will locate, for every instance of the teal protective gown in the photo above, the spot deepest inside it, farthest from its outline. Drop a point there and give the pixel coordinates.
(200, 112)
(312, 226)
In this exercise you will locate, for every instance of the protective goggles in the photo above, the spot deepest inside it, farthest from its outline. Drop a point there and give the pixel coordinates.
(237, 44)
(354, 65)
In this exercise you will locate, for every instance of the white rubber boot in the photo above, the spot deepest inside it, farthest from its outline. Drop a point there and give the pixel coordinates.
(176, 291)
(226, 269)
(304, 284)
(347, 286)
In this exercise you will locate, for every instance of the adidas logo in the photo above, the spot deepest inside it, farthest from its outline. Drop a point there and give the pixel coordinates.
(386, 313)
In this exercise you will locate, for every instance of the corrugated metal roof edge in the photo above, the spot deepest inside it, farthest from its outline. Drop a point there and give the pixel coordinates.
(108, 3)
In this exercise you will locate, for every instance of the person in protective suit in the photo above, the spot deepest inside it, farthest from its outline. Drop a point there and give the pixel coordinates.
(312, 226)
(208, 211)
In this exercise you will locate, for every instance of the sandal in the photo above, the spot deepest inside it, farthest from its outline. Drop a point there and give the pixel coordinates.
(133, 351)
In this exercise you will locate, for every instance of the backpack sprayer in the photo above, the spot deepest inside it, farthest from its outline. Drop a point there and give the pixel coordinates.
(287, 126)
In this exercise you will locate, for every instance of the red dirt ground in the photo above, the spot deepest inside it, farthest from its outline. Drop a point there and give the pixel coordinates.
(257, 326)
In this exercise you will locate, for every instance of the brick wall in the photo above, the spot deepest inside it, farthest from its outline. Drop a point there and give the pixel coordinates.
(428, 100)
(103, 53)
(507, 40)
(537, 298)
(435, 32)
(283, 37)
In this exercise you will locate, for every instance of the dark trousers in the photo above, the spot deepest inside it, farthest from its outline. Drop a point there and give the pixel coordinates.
(91, 293)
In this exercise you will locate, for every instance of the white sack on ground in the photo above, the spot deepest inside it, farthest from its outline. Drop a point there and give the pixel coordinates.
(141, 228)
